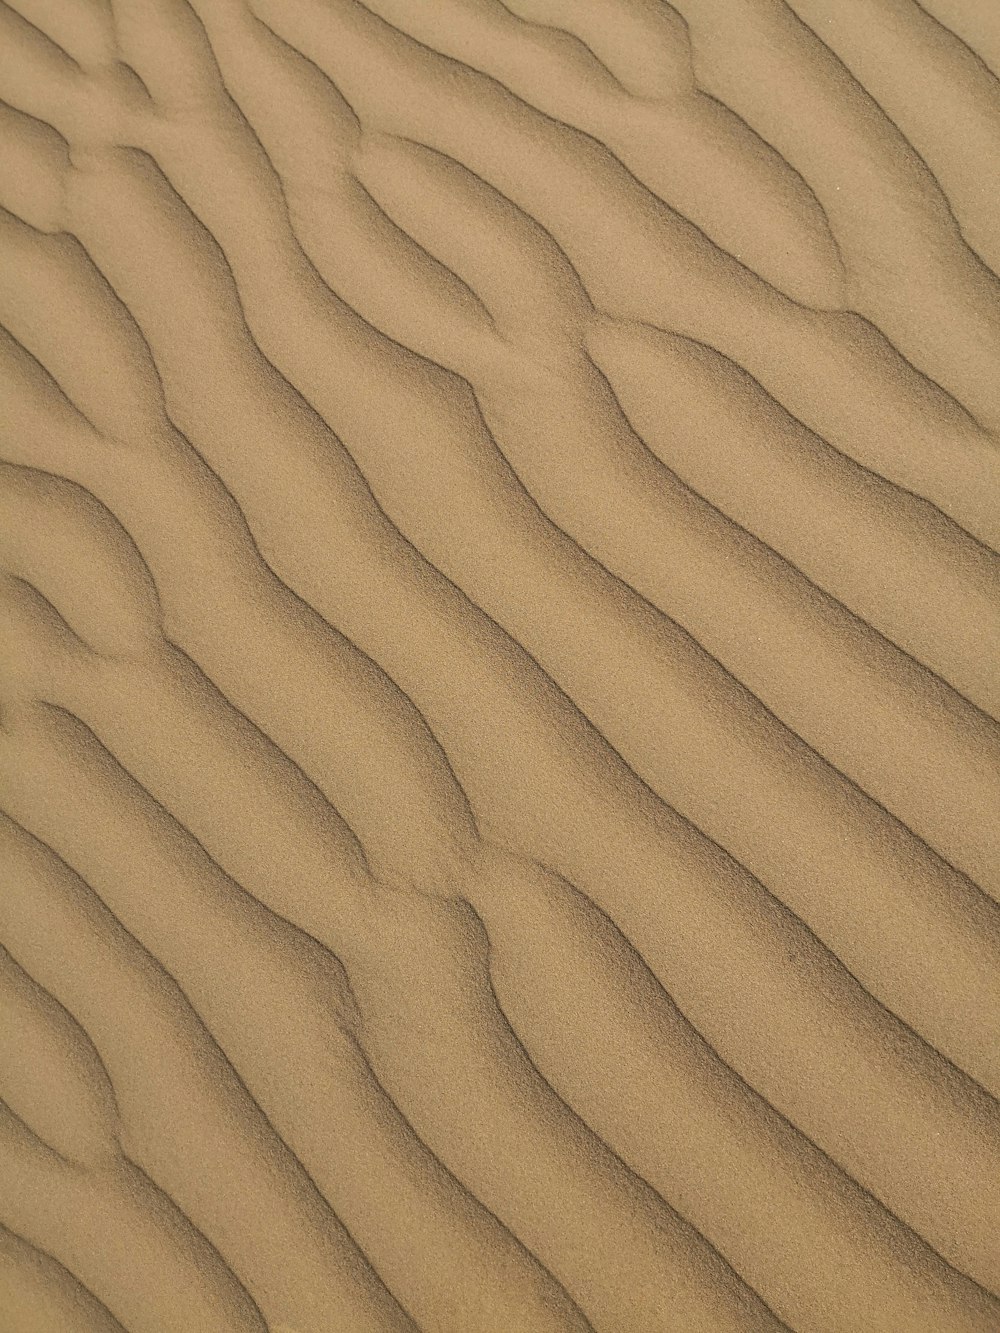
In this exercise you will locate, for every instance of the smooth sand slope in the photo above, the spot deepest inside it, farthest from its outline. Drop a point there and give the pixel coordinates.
(499, 743)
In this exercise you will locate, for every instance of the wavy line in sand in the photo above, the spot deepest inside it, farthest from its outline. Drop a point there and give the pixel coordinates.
(499, 728)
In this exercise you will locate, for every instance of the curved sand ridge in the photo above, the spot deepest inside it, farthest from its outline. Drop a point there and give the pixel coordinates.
(499, 743)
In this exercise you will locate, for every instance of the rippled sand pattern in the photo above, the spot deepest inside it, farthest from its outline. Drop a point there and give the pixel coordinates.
(499, 755)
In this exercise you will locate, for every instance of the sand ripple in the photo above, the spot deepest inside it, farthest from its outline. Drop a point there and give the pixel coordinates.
(500, 696)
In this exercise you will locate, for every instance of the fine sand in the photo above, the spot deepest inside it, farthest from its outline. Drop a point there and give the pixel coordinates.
(499, 758)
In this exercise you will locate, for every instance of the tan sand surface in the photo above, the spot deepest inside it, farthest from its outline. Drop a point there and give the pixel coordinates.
(499, 695)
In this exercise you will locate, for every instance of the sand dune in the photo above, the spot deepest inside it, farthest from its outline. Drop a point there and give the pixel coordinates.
(500, 697)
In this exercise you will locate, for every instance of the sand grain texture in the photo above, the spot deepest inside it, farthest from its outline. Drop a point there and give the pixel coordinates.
(500, 687)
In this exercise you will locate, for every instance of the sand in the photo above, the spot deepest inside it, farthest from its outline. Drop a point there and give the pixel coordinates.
(499, 744)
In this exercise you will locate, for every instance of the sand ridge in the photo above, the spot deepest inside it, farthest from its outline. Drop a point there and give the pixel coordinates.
(500, 698)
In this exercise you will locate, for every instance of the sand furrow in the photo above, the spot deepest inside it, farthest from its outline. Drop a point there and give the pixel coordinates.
(44, 1294)
(176, 1104)
(256, 877)
(500, 685)
(983, 857)
(304, 1135)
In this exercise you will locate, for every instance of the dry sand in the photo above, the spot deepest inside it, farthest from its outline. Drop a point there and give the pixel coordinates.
(499, 755)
